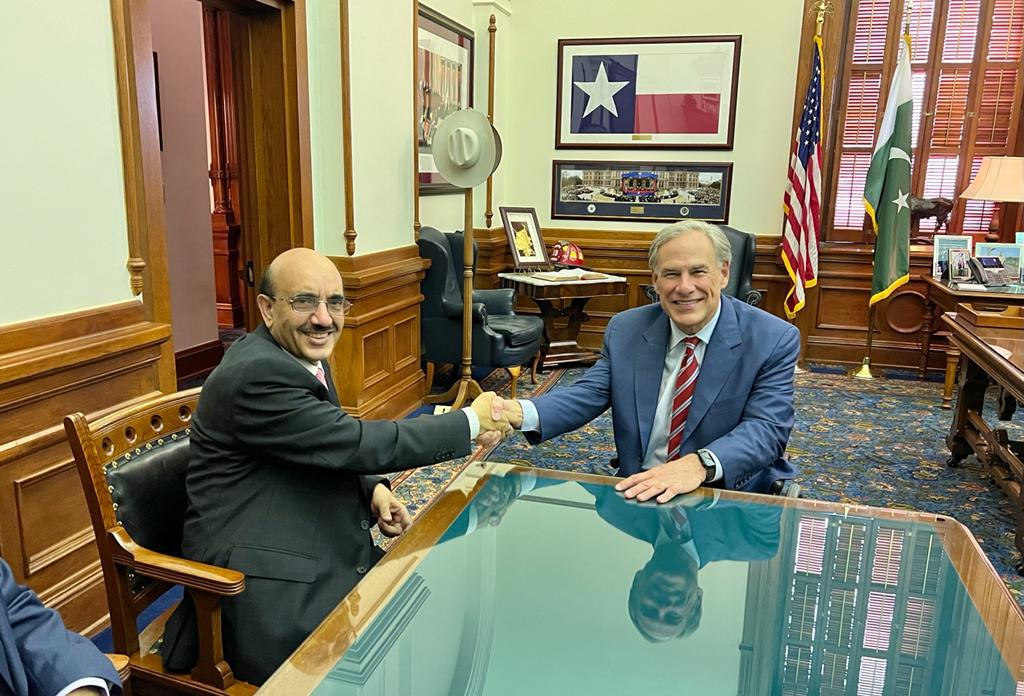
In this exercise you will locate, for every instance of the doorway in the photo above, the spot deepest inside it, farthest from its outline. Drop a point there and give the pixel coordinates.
(257, 182)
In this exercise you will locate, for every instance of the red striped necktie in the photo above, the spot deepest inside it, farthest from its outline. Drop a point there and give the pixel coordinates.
(321, 377)
(686, 381)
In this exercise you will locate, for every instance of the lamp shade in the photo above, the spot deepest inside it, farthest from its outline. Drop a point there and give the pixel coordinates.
(999, 179)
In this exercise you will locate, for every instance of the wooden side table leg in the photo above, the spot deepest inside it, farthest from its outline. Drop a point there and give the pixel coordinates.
(952, 360)
(926, 335)
(971, 398)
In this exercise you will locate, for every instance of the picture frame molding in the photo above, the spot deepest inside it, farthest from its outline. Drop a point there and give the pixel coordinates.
(635, 142)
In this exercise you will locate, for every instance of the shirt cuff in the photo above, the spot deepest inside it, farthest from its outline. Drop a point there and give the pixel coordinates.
(474, 422)
(718, 465)
(99, 683)
(531, 419)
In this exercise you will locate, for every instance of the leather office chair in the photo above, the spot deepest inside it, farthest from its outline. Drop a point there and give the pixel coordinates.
(132, 463)
(501, 338)
(741, 268)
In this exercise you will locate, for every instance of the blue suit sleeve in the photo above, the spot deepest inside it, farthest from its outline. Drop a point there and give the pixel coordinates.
(760, 437)
(52, 656)
(565, 410)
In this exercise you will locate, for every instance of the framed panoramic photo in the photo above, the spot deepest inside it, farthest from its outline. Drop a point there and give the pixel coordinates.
(524, 238)
(444, 84)
(652, 92)
(646, 191)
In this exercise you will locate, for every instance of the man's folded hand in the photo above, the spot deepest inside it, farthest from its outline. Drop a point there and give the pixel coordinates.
(493, 422)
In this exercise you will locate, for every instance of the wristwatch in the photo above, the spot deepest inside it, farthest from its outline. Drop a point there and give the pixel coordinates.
(709, 465)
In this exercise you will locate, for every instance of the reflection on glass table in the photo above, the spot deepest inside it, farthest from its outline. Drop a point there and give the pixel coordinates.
(525, 581)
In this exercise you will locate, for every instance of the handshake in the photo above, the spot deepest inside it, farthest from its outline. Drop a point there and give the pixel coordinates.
(497, 417)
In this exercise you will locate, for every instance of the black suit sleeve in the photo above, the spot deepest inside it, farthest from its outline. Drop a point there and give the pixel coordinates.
(290, 424)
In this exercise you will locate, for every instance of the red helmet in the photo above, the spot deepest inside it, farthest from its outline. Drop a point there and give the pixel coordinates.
(566, 253)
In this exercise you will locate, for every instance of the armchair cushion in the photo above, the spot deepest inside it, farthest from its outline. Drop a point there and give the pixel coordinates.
(517, 331)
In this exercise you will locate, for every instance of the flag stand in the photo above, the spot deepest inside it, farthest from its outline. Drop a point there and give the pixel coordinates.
(865, 369)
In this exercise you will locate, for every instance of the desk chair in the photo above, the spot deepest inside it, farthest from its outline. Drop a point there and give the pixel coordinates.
(132, 464)
(741, 268)
(501, 338)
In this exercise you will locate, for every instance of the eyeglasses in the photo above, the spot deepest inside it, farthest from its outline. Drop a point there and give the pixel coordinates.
(307, 304)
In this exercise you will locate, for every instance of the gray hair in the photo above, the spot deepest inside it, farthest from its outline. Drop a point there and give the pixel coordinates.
(720, 242)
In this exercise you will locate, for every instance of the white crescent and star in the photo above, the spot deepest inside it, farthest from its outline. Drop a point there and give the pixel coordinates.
(601, 92)
(901, 198)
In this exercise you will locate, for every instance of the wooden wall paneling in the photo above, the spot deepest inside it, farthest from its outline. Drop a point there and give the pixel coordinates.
(92, 361)
(197, 361)
(377, 363)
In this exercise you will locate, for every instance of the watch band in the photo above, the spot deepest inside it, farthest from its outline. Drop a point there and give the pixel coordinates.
(709, 465)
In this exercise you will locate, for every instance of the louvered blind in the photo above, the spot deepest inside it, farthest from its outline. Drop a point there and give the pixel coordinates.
(966, 66)
(861, 607)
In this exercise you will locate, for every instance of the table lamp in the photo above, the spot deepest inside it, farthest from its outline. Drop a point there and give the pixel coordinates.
(999, 179)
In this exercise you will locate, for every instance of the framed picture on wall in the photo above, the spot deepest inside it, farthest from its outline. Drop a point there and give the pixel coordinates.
(646, 191)
(444, 84)
(524, 238)
(651, 92)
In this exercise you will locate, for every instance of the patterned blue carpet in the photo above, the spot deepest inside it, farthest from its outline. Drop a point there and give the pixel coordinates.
(878, 443)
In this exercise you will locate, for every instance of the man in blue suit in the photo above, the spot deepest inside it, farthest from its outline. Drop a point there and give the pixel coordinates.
(736, 416)
(39, 656)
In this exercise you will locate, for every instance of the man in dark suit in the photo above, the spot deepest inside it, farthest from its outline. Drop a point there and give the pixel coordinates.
(700, 385)
(283, 485)
(39, 656)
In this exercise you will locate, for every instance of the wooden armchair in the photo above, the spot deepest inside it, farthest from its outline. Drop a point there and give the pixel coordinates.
(132, 464)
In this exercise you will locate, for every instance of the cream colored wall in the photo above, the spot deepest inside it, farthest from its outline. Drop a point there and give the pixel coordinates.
(177, 28)
(323, 40)
(380, 35)
(768, 66)
(63, 230)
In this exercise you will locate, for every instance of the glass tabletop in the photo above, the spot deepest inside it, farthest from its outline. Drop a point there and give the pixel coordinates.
(525, 581)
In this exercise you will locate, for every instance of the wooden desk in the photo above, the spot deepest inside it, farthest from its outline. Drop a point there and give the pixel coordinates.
(518, 581)
(989, 355)
(940, 298)
(559, 345)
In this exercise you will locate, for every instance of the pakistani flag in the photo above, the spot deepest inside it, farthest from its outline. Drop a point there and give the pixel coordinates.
(888, 185)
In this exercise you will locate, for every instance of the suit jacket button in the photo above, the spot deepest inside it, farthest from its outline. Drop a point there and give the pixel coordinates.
(363, 524)
(362, 570)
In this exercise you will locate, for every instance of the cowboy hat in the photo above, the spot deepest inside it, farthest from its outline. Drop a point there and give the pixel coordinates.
(467, 148)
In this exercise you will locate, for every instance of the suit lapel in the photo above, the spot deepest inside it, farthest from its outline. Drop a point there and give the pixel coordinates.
(720, 358)
(647, 376)
(332, 395)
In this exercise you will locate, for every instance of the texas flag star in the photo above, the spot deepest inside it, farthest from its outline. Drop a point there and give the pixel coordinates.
(601, 92)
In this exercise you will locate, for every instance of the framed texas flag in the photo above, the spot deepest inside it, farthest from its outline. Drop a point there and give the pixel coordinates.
(652, 92)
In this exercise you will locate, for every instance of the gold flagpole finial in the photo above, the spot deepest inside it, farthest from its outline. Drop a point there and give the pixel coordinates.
(906, 21)
(821, 7)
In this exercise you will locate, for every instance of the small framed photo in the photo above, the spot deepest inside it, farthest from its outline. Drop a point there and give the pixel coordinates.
(1009, 254)
(959, 266)
(524, 238)
(940, 251)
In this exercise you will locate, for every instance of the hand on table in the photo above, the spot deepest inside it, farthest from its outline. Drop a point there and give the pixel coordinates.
(666, 481)
(393, 517)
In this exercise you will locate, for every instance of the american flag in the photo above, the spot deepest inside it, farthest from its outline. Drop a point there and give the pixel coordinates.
(801, 201)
